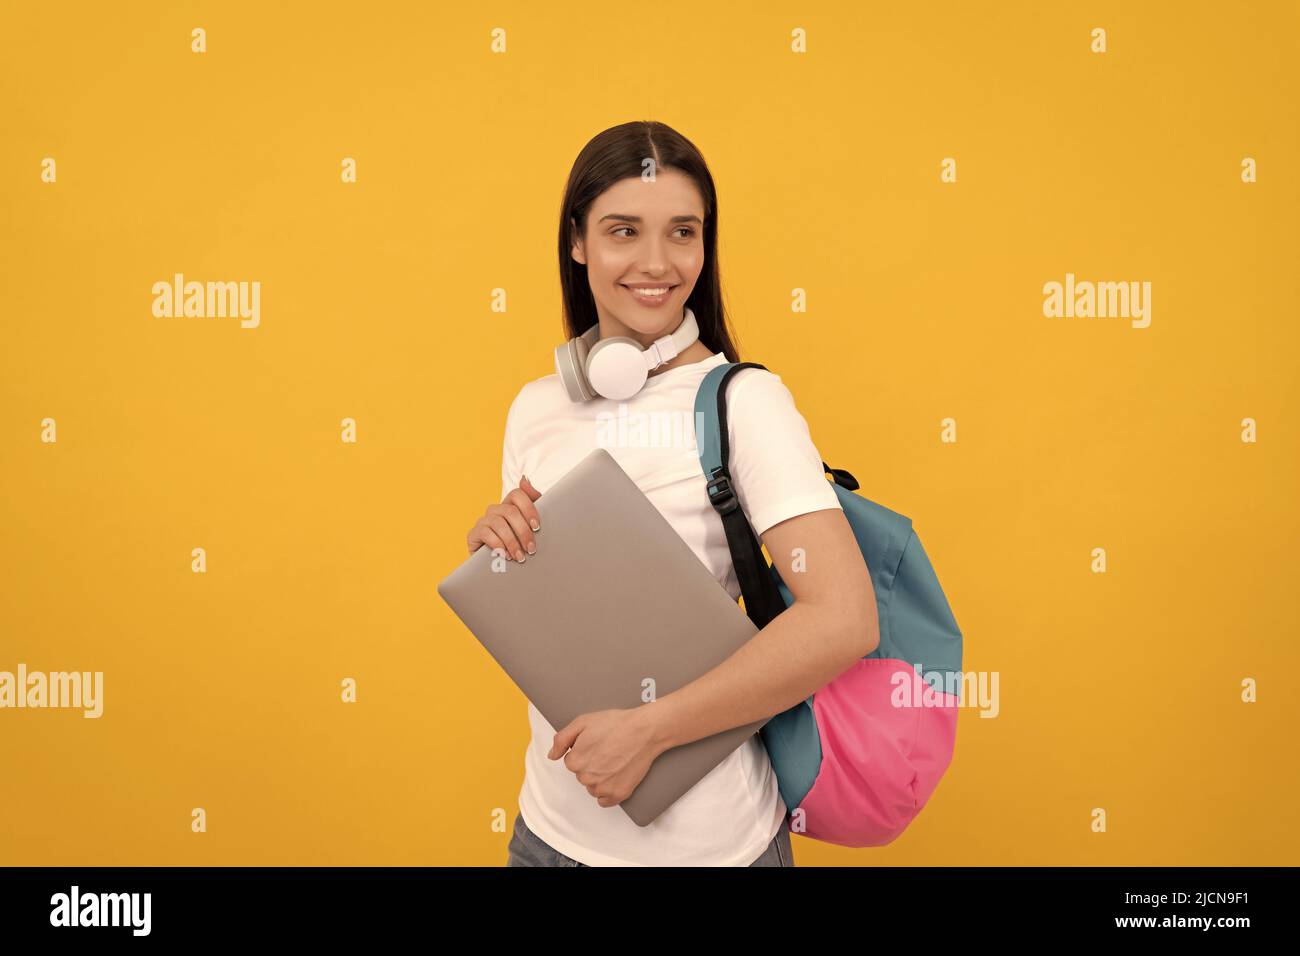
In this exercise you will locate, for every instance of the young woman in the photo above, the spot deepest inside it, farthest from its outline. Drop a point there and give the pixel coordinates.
(638, 258)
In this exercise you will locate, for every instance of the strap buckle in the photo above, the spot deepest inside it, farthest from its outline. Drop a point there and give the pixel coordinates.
(720, 494)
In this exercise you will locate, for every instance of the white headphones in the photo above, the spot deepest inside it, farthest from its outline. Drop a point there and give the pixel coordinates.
(618, 366)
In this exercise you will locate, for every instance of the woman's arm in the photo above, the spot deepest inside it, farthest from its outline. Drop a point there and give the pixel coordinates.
(831, 624)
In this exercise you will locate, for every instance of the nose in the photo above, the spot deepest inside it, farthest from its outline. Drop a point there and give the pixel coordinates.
(653, 261)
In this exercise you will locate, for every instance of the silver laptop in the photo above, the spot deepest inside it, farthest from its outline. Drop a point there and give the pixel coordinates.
(612, 599)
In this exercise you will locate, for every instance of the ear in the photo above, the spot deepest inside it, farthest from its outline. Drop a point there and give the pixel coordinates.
(575, 248)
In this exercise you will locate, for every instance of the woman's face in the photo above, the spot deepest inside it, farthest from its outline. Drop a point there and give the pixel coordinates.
(649, 235)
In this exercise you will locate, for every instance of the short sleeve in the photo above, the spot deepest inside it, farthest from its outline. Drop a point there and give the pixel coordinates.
(510, 450)
(775, 467)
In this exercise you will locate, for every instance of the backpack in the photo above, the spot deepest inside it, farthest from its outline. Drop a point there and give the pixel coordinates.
(857, 760)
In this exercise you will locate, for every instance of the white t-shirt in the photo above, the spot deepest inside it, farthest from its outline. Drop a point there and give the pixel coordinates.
(732, 814)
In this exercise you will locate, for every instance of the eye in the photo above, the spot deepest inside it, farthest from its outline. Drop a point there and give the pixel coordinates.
(690, 233)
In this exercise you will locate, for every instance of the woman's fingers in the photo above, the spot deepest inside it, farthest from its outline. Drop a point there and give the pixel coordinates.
(527, 486)
(482, 535)
(518, 526)
(509, 526)
(497, 533)
(519, 498)
(504, 533)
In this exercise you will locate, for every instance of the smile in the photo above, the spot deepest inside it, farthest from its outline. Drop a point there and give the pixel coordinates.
(650, 295)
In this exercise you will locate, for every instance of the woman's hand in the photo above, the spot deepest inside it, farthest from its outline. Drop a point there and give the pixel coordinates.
(506, 526)
(612, 751)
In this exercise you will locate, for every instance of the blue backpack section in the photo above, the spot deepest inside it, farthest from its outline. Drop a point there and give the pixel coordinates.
(916, 624)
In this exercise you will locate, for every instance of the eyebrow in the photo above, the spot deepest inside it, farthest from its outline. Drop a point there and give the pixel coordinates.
(625, 218)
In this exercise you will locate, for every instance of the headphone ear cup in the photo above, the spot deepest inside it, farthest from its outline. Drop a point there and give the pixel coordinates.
(571, 366)
(582, 349)
(616, 367)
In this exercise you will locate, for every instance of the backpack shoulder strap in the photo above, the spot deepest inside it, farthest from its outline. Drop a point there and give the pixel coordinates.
(763, 600)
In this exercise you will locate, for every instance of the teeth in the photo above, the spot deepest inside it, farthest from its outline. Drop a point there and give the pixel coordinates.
(650, 292)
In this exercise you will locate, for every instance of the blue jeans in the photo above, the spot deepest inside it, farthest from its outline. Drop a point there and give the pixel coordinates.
(526, 848)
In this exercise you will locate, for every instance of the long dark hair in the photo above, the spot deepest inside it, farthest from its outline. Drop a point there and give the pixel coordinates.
(616, 154)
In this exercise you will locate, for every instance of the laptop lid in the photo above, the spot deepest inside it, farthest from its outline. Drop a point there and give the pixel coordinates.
(614, 604)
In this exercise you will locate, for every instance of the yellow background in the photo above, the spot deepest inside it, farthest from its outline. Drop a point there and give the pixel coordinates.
(1118, 690)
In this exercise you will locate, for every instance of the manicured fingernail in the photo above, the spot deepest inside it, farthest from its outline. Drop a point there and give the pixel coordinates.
(536, 526)
(532, 549)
